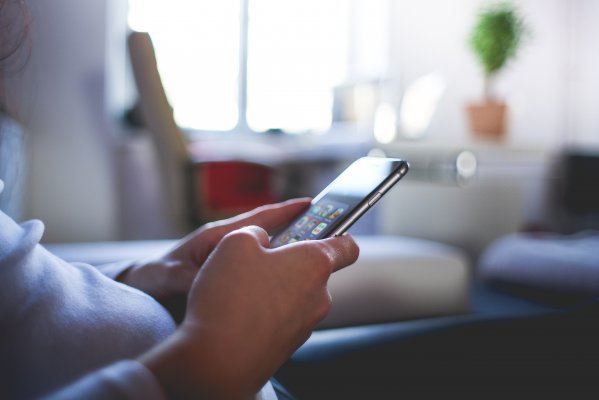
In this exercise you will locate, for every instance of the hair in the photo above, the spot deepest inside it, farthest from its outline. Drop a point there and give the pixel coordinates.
(15, 44)
(15, 49)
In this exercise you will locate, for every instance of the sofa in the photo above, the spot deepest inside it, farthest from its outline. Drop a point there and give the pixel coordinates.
(531, 329)
(411, 319)
(417, 318)
(394, 279)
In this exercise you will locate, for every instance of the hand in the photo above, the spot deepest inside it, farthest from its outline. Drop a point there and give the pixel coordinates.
(249, 309)
(173, 273)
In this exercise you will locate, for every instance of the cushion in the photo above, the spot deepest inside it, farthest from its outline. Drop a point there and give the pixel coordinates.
(555, 263)
(398, 278)
(395, 278)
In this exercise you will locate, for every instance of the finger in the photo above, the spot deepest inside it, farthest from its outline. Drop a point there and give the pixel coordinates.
(203, 241)
(246, 241)
(184, 277)
(345, 251)
(177, 275)
(258, 233)
(267, 217)
(336, 253)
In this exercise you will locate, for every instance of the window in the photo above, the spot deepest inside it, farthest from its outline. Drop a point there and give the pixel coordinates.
(260, 65)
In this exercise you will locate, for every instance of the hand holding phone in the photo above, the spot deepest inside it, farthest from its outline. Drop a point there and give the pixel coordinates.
(345, 200)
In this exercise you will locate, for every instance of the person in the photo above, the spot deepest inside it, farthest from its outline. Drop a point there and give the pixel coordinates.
(249, 308)
(77, 331)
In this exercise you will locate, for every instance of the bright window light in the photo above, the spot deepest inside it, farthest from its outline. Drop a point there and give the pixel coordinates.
(197, 46)
(419, 104)
(288, 59)
(297, 53)
(385, 124)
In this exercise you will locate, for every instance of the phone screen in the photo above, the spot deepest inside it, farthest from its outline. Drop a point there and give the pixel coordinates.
(341, 203)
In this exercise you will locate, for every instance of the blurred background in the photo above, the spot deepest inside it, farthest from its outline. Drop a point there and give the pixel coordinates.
(304, 87)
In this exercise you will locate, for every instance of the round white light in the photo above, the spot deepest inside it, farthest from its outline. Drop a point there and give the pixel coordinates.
(385, 123)
(466, 164)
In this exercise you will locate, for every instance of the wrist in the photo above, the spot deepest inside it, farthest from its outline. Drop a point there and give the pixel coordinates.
(193, 367)
(124, 275)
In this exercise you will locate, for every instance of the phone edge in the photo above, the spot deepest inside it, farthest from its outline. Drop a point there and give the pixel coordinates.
(366, 205)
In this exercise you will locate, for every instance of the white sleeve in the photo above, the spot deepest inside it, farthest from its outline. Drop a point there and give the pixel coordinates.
(113, 270)
(126, 380)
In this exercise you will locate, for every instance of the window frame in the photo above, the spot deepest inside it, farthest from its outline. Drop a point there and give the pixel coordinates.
(242, 125)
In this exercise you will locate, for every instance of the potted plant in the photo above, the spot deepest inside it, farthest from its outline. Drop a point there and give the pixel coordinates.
(495, 39)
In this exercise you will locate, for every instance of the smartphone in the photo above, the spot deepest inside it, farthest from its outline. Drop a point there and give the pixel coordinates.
(334, 210)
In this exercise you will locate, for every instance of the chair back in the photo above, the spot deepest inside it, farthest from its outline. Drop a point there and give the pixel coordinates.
(159, 120)
(196, 192)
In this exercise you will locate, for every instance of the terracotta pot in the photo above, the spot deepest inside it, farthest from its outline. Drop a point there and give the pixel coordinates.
(488, 119)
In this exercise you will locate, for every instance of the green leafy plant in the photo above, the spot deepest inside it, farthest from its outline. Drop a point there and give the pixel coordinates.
(496, 38)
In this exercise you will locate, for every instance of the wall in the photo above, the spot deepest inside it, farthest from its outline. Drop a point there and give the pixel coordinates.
(584, 73)
(509, 193)
(553, 88)
(430, 36)
(61, 99)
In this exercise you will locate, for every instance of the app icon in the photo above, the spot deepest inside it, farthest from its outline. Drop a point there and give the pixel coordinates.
(323, 211)
(302, 222)
(319, 228)
(337, 213)
(312, 223)
(328, 209)
(285, 237)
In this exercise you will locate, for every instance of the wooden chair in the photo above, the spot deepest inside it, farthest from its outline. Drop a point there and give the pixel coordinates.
(197, 191)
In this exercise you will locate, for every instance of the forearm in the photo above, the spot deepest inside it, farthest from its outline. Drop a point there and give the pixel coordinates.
(193, 368)
(124, 380)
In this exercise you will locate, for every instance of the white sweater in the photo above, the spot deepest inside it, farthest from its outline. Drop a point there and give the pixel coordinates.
(69, 327)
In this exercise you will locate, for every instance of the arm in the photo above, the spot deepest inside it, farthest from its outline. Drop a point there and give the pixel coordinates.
(126, 379)
(249, 309)
(172, 273)
(213, 353)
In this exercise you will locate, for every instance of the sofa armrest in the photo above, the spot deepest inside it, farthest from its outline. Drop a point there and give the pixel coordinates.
(399, 278)
(395, 278)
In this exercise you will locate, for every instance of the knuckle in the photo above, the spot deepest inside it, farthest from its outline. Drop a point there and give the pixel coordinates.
(352, 249)
(324, 307)
(209, 232)
(323, 256)
(303, 336)
(174, 277)
(239, 237)
(242, 240)
(322, 253)
(320, 272)
(207, 228)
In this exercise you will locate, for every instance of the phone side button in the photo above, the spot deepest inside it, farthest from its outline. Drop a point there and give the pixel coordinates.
(376, 197)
